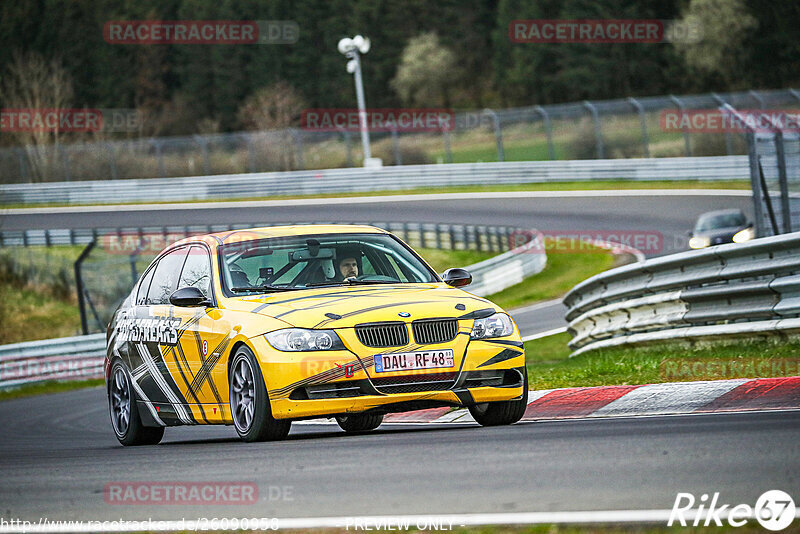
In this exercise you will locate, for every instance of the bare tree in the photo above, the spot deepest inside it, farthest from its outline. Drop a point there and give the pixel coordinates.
(276, 107)
(33, 82)
(427, 71)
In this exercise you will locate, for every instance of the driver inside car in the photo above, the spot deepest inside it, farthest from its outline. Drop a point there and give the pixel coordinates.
(348, 267)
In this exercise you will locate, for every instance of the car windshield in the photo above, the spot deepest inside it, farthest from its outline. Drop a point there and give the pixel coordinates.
(721, 220)
(299, 262)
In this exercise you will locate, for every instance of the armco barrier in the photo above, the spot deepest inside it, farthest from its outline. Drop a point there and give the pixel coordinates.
(750, 289)
(81, 357)
(364, 180)
(69, 358)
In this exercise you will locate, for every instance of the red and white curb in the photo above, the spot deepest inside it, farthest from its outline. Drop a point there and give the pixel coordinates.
(651, 399)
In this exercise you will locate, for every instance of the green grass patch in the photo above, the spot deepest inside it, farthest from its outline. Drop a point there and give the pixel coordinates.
(48, 387)
(31, 313)
(442, 260)
(562, 272)
(549, 186)
(549, 364)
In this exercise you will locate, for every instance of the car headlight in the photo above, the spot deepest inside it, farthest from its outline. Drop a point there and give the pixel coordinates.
(301, 339)
(497, 325)
(745, 235)
(699, 242)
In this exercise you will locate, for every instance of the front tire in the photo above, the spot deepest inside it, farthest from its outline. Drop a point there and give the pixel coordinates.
(124, 411)
(359, 422)
(250, 409)
(501, 413)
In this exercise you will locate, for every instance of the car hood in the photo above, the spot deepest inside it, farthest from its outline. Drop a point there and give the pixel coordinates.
(347, 306)
(720, 235)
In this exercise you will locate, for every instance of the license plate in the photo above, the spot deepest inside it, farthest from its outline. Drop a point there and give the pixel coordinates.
(411, 361)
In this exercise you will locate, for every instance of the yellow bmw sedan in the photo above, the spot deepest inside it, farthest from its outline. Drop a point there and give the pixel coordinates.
(260, 327)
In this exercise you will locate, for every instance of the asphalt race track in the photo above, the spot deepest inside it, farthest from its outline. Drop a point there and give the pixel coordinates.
(58, 452)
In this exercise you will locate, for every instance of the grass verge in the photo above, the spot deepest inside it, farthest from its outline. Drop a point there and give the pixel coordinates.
(549, 364)
(562, 272)
(550, 186)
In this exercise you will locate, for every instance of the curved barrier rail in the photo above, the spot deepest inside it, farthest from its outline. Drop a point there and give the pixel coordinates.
(69, 358)
(81, 357)
(364, 180)
(750, 289)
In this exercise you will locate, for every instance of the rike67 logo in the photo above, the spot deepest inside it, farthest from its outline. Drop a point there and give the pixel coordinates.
(774, 510)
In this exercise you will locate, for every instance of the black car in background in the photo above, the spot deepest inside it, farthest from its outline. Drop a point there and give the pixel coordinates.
(723, 226)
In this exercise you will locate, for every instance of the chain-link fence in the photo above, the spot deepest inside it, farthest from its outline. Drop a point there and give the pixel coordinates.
(621, 128)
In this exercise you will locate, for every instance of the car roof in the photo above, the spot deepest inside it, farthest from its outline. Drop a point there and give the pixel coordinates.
(732, 211)
(263, 232)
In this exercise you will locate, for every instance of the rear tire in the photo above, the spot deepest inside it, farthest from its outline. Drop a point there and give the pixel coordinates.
(359, 422)
(124, 411)
(250, 408)
(501, 413)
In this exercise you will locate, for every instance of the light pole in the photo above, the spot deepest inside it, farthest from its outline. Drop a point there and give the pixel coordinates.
(352, 49)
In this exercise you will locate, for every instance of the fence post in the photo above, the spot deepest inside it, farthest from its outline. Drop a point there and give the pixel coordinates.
(643, 122)
(598, 134)
(23, 171)
(398, 158)
(112, 162)
(298, 146)
(162, 172)
(548, 131)
(757, 98)
(448, 151)
(498, 133)
(203, 144)
(251, 149)
(64, 162)
(688, 147)
(728, 142)
(79, 286)
(348, 145)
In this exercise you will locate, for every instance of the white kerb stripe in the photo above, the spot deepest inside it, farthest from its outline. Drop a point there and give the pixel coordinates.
(673, 397)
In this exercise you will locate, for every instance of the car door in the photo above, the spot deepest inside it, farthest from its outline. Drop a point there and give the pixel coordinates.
(151, 331)
(193, 361)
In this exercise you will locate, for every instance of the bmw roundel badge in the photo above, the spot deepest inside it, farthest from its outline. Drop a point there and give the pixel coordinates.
(404, 314)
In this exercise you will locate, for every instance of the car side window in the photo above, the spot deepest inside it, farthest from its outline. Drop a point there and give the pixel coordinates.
(144, 286)
(197, 270)
(165, 279)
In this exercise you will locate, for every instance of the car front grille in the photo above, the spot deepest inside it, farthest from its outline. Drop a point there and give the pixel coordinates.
(430, 331)
(415, 383)
(382, 334)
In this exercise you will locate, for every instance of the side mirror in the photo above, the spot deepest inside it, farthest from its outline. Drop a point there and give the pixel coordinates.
(689, 233)
(457, 277)
(188, 297)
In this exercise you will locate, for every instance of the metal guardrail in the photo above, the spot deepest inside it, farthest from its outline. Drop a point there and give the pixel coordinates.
(329, 181)
(69, 358)
(749, 289)
(81, 357)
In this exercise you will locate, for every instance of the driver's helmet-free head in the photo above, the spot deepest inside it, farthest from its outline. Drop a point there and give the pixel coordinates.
(343, 254)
